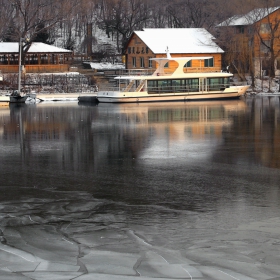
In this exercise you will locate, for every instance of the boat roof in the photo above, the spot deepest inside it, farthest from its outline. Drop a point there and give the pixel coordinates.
(178, 73)
(174, 77)
(179, 40)
(183, 58)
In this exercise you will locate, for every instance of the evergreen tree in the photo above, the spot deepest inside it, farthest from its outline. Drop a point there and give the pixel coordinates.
(10, 34)
(42, 35)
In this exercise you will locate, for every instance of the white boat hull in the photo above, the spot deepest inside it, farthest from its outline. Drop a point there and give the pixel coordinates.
(134, 97)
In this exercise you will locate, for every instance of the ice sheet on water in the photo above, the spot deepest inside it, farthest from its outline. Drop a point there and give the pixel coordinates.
(153, 264)
(102, 276)
(52, 266)
(52, 275)
(46, 243)
(12, 276)
(110, 262)
(71, 234)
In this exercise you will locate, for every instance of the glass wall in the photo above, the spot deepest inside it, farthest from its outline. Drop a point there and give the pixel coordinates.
(186, 85)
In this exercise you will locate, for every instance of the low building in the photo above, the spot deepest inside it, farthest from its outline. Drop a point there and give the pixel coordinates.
(39, 58)
(180, 42)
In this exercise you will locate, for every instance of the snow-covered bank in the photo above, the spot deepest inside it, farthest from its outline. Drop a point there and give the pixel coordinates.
(105, 65)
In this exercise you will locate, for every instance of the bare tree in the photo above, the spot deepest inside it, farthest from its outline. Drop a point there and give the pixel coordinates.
(6, 13)
(268, 38)
(122, 17)
(32, 17)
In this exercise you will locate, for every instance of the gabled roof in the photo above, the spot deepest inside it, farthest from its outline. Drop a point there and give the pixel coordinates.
(179, 40)
(249, 18)
(36, 47)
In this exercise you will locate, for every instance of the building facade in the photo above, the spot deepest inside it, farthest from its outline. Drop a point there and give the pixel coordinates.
(180, 42)
(254, 40)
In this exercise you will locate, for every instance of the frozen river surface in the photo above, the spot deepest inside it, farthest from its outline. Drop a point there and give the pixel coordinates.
(141, 191)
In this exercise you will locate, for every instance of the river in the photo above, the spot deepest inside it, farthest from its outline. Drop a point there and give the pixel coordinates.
(150, 191)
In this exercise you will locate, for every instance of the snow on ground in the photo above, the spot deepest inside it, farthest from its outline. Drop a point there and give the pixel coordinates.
(106, 65)
(262, 87)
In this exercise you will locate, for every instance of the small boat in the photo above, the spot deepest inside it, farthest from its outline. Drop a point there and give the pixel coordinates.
(16, 97)
(177, 86)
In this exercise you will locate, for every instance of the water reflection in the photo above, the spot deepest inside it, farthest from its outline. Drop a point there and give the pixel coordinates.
(253, 138)
(63, 136)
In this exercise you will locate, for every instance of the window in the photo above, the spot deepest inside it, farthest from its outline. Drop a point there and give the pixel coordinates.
(265, 28)
(218, 83)
(278, 63)
(250, 30)
(188, 64)
(147, 50)
(134, 61)
(129, 49)
(192, 84)
(150, 63)
(166, 65)
(265, 46)
(142, 62)
(209, 62)
(240, 29)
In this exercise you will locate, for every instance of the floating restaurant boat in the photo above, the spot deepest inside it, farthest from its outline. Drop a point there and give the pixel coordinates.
(177, 86)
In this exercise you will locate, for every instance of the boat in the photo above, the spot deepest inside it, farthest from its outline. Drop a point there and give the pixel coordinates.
(176, 86)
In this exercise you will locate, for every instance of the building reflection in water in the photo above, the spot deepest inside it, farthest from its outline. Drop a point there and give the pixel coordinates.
(81, 137)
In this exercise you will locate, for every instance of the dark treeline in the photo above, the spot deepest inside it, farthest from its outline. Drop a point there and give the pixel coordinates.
(67, 22)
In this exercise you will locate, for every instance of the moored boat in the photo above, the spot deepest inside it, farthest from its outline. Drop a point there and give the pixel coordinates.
(177, 86)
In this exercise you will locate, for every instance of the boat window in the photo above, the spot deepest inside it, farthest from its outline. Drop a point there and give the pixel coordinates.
(164, 83)
(192, 84)
(188, 64)
(165, 86)
(178, 85)
(152, 83)
(227, 82)
(218, 83)
(166, 65)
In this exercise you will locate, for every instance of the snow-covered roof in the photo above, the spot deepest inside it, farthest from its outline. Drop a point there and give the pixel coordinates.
(179, 40)
(249, 18)
(36, 47)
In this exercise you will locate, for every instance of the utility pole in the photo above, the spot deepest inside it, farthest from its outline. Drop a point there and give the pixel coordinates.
(19, 65)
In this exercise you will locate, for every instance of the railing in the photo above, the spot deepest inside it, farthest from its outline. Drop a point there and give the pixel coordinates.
(42, 68)
(146, 72)
(166, 89)
(129, 72)
(201, 69)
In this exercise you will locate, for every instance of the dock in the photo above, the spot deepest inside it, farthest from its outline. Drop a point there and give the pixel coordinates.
(80, 97)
